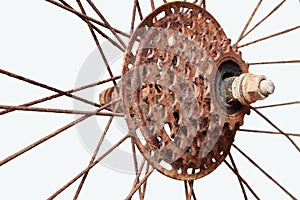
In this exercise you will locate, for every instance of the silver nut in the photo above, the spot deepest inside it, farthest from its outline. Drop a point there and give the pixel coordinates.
(267, 87)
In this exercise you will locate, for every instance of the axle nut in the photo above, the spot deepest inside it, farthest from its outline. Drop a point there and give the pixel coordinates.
(248, 88)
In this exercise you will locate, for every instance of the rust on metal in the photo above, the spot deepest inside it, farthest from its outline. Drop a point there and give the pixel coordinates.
(248, 88)
(169, 91)
(178, 90)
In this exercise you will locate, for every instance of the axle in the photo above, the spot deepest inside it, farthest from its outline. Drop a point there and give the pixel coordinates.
(246, 88)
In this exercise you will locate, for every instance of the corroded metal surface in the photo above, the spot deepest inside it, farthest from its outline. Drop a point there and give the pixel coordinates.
(171, 91)
(249, 88)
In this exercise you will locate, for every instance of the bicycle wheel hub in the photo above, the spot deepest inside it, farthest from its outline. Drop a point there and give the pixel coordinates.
(185, 90)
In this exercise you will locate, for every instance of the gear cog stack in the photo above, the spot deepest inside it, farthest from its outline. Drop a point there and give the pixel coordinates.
(183, 89)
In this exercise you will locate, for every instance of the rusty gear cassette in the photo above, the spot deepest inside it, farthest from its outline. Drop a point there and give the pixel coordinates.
(174, 90)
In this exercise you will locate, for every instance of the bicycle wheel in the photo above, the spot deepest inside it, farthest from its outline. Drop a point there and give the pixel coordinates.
(49, 46)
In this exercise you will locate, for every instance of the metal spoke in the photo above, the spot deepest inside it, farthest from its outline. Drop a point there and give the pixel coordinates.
(139, 184)
(93, 157)
(95, 28)
(94, 154)
(133, 15)
(275, 62)
(186, 189)
(242, 179)
(137, 178)
(51, 135)
(239, 179)
(85, 17)
(153, 8)
(202, 3)
(152, 5)
(32, 82)
(106, 23)
(191, 191)
(136, 7)
(145, 184)
(97, 41)
(270, 36)
(262, 20)
(35, 144)
(139, 10)
(60, 94)
(263, 171)
(248, 22)
(278, 129)
(88, 168)
(135, 163)
(279, 104)
(142, 191)
(269, 132)
(61, 111)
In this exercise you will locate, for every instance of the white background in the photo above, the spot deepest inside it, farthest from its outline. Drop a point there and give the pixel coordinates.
(47, 44)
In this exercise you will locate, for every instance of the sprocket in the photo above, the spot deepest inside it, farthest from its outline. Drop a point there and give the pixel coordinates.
(175, 70)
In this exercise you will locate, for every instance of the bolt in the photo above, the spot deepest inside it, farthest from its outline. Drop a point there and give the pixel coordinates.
(248, 88)
(267, 87)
